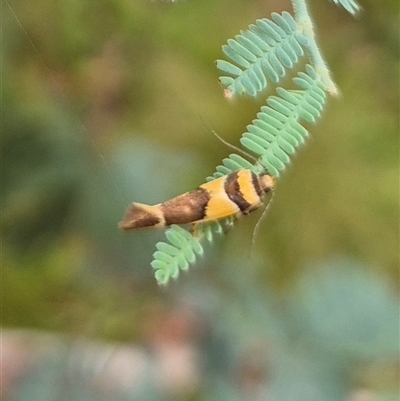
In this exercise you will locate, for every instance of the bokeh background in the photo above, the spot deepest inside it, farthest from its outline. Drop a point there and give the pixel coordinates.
(101, 105)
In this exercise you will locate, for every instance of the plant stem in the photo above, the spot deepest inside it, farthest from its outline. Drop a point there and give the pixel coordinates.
(304, 22)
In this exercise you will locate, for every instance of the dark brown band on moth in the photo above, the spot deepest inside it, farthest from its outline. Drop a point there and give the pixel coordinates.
(186, 208)
(232, 189)
(256, 184)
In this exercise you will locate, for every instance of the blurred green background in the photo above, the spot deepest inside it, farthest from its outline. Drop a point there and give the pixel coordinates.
(101, 106)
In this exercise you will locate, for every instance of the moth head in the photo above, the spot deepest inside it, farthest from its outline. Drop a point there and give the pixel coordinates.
(267, 182)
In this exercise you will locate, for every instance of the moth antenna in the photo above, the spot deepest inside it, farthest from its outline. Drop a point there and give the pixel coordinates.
(258, 224)
(243, 152)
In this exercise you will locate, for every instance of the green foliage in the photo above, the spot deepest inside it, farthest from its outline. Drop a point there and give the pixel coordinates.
(273, 137)
(261, 53)
(181, 251)
(232, 163)
(276, 133)
(350, 5)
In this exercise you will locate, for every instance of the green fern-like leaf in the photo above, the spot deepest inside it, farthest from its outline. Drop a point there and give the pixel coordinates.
(261, 53)
(276, 133)
(170, 258)
(207, 230)
(183, 248)
(349, 5)
(233, 163)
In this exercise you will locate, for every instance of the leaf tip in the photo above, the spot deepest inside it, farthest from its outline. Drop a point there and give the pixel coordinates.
(228, 94)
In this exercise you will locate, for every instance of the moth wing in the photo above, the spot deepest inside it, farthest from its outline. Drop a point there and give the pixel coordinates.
(219, 206)
(140, 215)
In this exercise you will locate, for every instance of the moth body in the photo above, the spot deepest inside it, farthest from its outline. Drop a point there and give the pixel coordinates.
(234, 194)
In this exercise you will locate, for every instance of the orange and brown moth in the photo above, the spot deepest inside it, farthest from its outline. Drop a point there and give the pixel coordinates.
(232, 195)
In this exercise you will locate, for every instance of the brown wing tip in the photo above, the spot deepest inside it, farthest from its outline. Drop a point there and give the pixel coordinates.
(125, 225)
(139, 216)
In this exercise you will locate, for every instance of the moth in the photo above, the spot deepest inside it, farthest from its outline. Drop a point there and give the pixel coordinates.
(232, 195)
